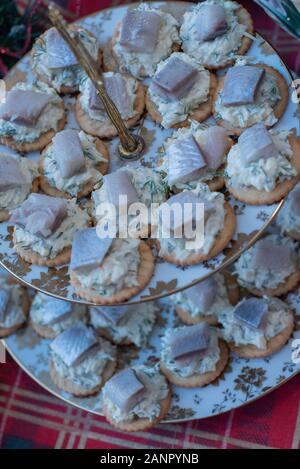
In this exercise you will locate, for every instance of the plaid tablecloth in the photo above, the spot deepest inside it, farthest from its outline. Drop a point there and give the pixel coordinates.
(32, 418)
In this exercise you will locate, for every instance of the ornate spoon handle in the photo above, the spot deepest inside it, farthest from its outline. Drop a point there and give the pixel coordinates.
(131, 146)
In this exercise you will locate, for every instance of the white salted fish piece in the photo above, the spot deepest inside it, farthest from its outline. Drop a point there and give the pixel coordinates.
(175, 79)
(255, 143)
(58, 53)
(24, 107)
(210, 22)
(139, 31)
(88, 250)
(11, 175)
(68, 153)
(113, 314)
(55, 310)
(4, 301)
(203, 294)
(267, 255)
(75, 344)
(241, 84)
(295, 199)
(214, 148)
(185, 160)
(189, 340)
(125, 390)
(251, 312)
(119, 184)
(40, 214)
(116, 88)
(188, 213)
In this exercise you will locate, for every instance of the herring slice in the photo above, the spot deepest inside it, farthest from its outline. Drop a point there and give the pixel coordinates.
(185, 160)
(118, 184)
(58, 53)
(267, 255)
(4, 301)
(241, 84)
(214, 148)
(139, 31)
(210, 22)
(40, 214)
(113, 314)
(203, 294)
(55, 310)
(295, 205)
(189, 340)
(11, 175)
(24, 107)
(125, 390)
(75, 344)
(251, 312)
(68, 153)
(255, 143)
(175, 79)
(116, 88)
(88, 250)
(181, 210)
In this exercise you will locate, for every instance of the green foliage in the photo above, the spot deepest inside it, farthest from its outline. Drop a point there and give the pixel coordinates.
(14, 30)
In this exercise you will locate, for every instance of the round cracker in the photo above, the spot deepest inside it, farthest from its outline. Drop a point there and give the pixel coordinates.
(67, 385)
(278, 110)
(221, 241)
(273, 345)
(33, 257)
(5, 215)
(63, 89)
(290, 283)
(200, 114)
(198, 379)
(114, 61)
(144, 274)
(140, 424)
(215, 184)
(88, 188)
(254, 196)
(40, 142)
(7, 331)
(107, 129)
(243, 17)
(233, 293)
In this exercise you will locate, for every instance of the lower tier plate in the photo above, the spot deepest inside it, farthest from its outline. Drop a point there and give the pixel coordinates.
(242, 382)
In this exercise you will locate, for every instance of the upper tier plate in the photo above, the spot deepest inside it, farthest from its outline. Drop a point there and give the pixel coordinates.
(251, 220)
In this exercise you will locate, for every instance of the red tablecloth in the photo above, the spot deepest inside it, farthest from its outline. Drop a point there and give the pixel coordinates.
(32, 418)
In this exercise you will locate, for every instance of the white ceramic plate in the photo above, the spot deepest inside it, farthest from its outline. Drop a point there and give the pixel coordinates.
(242, 382)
